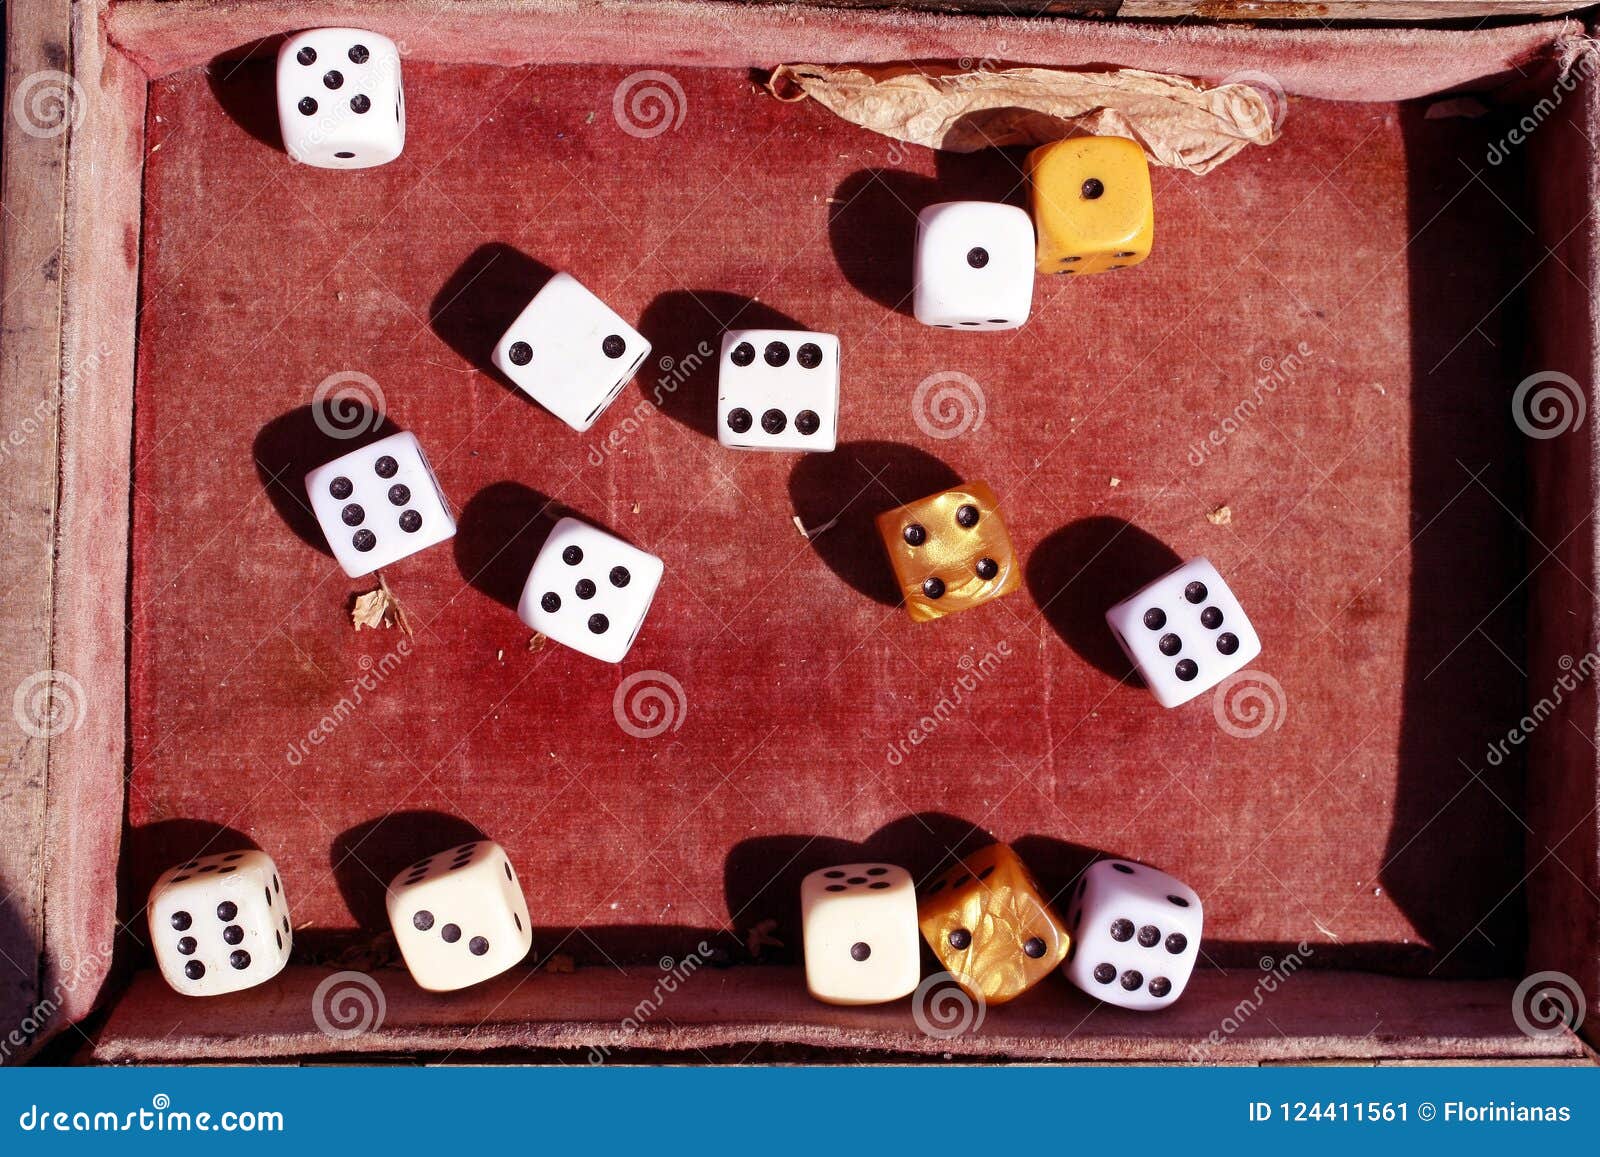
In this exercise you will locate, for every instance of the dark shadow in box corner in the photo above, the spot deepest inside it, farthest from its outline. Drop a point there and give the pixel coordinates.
(480, 300)
(1455, 852)
(1086, 567)
(853, 485)
(686, 326)
(19, 959)
(872, 218)
(762, 876)
(294, 443)
(148, 851)
(246, 89)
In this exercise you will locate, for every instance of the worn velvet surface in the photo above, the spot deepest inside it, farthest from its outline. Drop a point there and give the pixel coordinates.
(1322, 342)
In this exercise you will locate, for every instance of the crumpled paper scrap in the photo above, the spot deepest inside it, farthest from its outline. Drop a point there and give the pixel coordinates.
(1178, 123)
(377, 609)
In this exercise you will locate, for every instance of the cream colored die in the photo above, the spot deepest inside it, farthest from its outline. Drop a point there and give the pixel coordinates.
(860, 927)
(459, 916)
(220, 923)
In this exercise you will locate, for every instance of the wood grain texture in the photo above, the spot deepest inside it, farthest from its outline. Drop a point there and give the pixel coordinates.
(35, 176)
(592, 1011)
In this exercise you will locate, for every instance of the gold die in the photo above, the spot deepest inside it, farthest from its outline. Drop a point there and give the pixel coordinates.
(950, 551)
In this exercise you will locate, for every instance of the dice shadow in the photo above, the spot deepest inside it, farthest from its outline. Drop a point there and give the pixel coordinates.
(872, 221)
(480, 300)
(686, 326)
(365, 857)
(499, 534)
(850, 488)
(245, 88)
(1086, 567)
(296, 442)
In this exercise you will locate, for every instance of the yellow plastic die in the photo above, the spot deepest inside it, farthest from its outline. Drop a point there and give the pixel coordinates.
(1091, 202)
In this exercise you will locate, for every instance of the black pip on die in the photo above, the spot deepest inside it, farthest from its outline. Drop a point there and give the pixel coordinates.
(220, 923)
(974, 266)
(1185, 632)
(340, 101)
(589, 590)
(570, 352)
(778, 390)
(378, 504)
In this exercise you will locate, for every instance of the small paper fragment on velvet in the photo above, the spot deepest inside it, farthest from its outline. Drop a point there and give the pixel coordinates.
(1178, 123)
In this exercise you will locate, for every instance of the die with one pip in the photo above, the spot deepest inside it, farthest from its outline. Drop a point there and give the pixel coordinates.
(950, 551)
(1091, 204)
(1135, 935)
(990, 926)
(973, 266)
(859, 923)
(220, 923)
(459, 916)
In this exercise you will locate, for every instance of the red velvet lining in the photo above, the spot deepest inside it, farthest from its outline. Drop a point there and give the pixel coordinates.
(1372, 536)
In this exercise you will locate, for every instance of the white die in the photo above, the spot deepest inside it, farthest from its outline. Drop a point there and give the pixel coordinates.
(340, 101)
(378, 504)
(570, 352)
(589, 590)
(974, 266)
(1135, 935)
(459, 916)
(220, 923)
(1185, 632)
(862, 943)
(778, 389)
